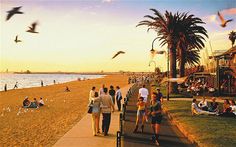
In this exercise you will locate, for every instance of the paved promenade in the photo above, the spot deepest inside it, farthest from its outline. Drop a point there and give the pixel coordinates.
(170, 136)
(81, 134)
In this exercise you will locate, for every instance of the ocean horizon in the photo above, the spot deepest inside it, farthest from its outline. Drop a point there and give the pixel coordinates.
(34, 80)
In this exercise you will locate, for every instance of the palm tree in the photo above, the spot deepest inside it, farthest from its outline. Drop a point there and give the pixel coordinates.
(189, 57)
(191, 38)
(232, 37)
(173, 30)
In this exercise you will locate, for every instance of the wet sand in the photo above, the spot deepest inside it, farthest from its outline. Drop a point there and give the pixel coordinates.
(44, 126)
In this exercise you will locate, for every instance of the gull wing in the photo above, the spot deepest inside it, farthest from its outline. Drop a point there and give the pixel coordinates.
(221, 17)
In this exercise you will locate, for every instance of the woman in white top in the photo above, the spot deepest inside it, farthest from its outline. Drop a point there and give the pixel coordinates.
(203, 104)
(233, 106)
(92, 94)
(96, 113)
(197, 111)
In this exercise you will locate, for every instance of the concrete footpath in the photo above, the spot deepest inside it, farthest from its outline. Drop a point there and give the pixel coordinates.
(81, 134)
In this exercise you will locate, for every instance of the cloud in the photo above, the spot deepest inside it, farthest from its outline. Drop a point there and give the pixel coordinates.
(107, 1)
(230, 11)
(210, 19)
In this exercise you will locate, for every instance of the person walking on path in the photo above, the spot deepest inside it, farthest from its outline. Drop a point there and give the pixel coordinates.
(159, 95)
(141, 112)
(143, 92)
(156, 116)
(118, 97)
(92, 93)
(101, 90)
(107, 107)
(96, 113)
(112, 93)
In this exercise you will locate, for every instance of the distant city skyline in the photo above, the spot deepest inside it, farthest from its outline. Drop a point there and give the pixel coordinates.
(82, 36)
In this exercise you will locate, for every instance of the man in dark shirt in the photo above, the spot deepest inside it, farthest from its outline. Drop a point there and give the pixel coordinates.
(112, 93)
(159, 95)
(214, 106)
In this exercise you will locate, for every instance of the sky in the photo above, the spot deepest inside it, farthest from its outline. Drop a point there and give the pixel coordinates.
(83, 35)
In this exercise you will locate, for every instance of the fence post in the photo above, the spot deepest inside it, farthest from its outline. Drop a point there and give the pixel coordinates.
(121, 124)
(118, 139)
(124, 109)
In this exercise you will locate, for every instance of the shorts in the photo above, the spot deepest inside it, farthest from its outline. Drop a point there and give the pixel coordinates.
(140, 112)
(156, 119)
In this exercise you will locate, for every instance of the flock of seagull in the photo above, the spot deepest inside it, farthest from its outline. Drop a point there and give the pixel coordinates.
(32, 28)
(16, 10)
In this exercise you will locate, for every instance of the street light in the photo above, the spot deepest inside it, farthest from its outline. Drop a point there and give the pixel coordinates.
(153, 52)
(152, 61)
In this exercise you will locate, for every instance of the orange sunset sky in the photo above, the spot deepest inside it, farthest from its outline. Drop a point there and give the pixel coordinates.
(82, 36)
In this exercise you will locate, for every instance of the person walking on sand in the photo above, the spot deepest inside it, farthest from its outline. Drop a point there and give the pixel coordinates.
(156, 115)
(16, 86)
(112, 93)
(96, 113)
(118, 97)
(141, 112)
(107, 107)
(41, 83)
(5, 87)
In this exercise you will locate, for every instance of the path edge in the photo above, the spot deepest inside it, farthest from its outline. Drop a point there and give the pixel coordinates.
(182, 129)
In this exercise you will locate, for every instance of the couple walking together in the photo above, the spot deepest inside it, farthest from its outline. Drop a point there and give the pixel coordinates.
(103, 103)
(150, 109)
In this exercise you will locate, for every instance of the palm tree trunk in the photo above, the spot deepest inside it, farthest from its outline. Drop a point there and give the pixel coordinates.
(182, 63)
(172, 57)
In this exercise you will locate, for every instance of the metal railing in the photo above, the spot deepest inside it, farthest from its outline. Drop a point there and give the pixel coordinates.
(118, 139)
(122, 115)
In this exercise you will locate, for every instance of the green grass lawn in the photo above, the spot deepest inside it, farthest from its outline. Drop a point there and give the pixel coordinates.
(212, 131)
(179, 95)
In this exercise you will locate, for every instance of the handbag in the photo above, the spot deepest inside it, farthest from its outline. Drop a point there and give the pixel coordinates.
(90, 107)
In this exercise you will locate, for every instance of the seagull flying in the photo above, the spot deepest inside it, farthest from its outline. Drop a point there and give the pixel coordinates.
(119, 52)
(32, 28)
(16, 39)
(13, 11)
(223, 21)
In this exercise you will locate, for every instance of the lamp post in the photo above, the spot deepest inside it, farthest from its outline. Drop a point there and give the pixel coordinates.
(153, 52)
(152, 61)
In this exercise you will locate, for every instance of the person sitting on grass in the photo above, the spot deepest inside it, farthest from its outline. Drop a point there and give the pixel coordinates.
(214, 106)
(233, 106)
(227, 110)
(141, 112)
(197, 111)
(203, 104)
(41, 102)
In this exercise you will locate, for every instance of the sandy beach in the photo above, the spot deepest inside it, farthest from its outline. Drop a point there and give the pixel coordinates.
(44, 126)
